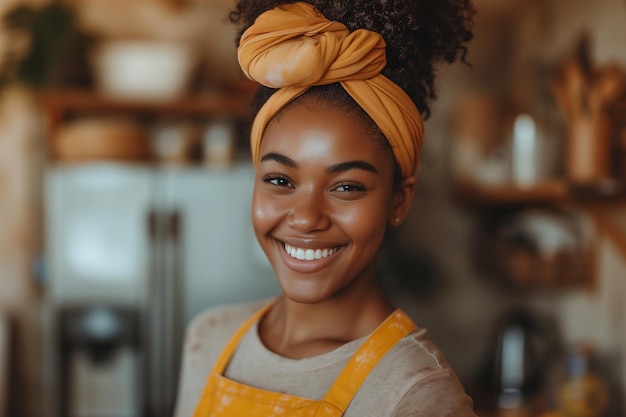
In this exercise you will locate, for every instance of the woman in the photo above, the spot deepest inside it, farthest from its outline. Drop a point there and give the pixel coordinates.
(335, 145)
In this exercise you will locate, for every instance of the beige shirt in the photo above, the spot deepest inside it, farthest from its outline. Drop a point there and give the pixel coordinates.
(413, 379)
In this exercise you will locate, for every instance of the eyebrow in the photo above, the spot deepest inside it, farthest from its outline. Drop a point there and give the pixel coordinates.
(333, 169)
(281, 159)
(349, 165)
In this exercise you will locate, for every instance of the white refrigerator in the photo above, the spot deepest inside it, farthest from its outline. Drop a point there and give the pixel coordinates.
(133, 252)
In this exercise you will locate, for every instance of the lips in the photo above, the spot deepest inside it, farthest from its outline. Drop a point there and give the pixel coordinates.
(303, 254)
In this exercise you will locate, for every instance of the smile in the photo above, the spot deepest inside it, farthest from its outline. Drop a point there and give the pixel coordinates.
(309, 254)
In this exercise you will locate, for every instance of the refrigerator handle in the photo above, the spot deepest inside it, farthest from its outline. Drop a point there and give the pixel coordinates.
(174, 225)
(173, 302)
(153, 344)
(164, 329)
(152, 224)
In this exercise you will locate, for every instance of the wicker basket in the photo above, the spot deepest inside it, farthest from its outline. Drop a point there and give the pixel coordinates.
(525, 268)
(101, 138)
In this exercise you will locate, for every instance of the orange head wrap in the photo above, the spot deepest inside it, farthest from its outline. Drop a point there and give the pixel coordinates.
(294, 47)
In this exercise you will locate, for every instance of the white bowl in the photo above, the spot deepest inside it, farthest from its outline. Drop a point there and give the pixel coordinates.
(149, 70)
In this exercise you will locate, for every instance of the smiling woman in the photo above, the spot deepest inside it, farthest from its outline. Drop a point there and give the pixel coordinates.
(324, 184)
(335, 144)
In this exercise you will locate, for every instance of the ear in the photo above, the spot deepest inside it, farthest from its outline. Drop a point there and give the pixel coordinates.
(402, 200)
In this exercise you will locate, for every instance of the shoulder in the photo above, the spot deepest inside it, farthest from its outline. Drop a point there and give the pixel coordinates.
(419, 353)
(209, 332)
(414, 358)
(219, 320)
(416, 380)
(205, 337)
(431, 386)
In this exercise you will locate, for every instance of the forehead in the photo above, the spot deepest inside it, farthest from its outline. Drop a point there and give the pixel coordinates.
(315, 129)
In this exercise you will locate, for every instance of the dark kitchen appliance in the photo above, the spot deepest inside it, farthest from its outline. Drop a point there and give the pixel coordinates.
(523, 347)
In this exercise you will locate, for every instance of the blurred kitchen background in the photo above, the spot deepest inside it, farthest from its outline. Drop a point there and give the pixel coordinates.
(125, 188)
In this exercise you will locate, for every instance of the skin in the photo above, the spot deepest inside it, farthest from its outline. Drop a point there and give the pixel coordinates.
(323, 183)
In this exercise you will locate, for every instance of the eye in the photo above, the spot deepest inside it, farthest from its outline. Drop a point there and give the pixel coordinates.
(277, 181)
(350, 188)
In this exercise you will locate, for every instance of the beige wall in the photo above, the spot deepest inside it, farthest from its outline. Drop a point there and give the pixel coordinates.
(20, 152)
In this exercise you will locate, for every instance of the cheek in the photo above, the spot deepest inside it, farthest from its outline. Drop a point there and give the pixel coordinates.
(264, 212)
(365, 222)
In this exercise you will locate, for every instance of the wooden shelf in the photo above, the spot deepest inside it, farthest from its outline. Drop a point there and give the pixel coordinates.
(61, 106)
(59, 103)
(604, 201)
(231, 103)
(554, 191)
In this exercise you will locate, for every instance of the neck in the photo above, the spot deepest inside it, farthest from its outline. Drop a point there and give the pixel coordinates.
(299, 330)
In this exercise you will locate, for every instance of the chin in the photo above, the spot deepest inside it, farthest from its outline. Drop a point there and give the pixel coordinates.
(304, 293)
(302, 299)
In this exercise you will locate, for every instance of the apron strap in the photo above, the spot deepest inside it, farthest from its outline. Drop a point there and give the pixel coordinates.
(356, 371)
(227, 352)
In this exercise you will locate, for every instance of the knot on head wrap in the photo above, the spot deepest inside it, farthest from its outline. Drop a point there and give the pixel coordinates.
(294, 47)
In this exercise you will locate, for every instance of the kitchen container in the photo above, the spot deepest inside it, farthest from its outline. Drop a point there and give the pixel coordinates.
(174, 141)
(536, 248)
(589, 149)
(219, 143)
(525, 344)
(143, 69)
(101, 138)
(584, 381)
(100, 361)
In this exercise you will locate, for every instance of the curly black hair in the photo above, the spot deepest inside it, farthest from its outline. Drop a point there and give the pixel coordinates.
(418, 33)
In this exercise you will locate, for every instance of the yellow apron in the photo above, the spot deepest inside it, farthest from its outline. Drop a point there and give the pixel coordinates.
(223, 397)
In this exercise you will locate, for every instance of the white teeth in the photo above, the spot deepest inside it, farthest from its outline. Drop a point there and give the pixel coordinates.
(308, 254)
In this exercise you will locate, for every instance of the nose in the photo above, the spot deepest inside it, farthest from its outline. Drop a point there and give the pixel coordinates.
(308, 212)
